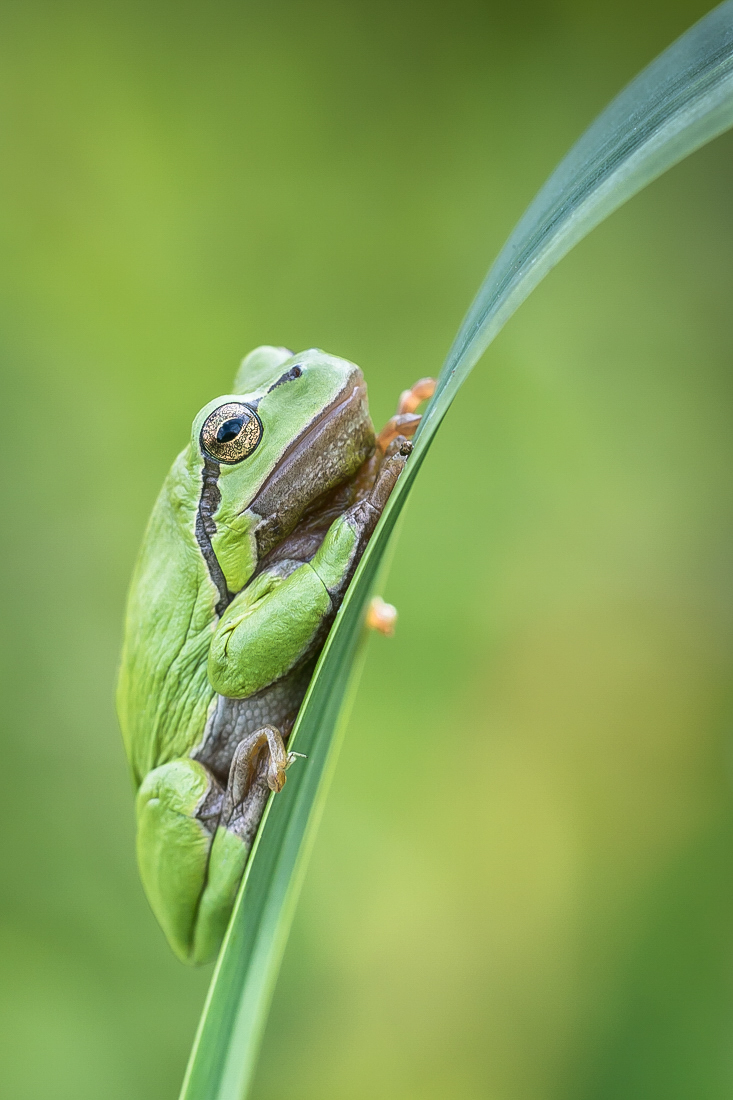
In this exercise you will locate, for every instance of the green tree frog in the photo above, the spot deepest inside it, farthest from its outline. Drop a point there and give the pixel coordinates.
(251, 545)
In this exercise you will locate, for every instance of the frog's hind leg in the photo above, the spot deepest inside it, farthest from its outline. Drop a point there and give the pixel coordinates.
(194, 838)
(178, 806)
(258, 767)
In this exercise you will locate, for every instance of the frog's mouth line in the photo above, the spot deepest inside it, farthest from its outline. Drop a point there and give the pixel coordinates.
(302, 444)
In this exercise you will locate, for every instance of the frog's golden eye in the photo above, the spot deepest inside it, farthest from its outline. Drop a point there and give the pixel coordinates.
(231, 432)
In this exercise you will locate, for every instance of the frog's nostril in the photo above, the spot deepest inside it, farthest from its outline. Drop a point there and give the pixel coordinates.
(294, 372)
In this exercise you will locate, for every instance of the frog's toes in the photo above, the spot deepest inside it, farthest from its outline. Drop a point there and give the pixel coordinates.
(381, 617)
(406, 420)
(279, 760)
(260, 755)
(404, 424)
(421, 391)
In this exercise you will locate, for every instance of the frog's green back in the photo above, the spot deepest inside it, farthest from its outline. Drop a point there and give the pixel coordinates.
(163, 693)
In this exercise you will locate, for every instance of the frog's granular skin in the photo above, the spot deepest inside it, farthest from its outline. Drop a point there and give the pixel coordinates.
(232, 719)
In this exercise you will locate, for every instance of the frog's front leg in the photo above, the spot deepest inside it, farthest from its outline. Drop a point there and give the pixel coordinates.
(194, 838)
(280, 619)
(347, 538)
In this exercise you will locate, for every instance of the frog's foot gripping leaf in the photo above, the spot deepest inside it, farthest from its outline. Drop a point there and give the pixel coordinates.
(260, 759)
(406, 420)
(194, 839)
(393, 439)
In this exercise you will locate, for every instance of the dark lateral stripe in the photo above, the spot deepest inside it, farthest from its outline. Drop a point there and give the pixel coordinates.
(206, 529)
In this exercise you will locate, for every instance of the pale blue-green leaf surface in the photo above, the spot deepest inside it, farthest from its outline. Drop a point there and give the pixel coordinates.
(682, 100)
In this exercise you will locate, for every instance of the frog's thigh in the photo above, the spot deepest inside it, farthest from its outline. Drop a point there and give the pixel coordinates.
(173, 847)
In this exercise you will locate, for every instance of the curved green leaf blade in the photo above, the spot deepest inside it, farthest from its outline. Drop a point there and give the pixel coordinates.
(682, 100)
(677, 104)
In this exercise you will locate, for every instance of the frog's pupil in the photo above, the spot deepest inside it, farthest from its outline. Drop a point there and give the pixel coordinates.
(230, 429)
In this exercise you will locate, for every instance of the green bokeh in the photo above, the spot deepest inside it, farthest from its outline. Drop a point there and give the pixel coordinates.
(523, 884)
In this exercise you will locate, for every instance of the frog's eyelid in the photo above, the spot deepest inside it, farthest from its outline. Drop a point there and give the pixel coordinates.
(294, 372)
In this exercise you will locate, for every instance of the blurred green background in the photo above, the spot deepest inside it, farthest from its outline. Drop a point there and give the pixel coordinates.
(523, 885)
